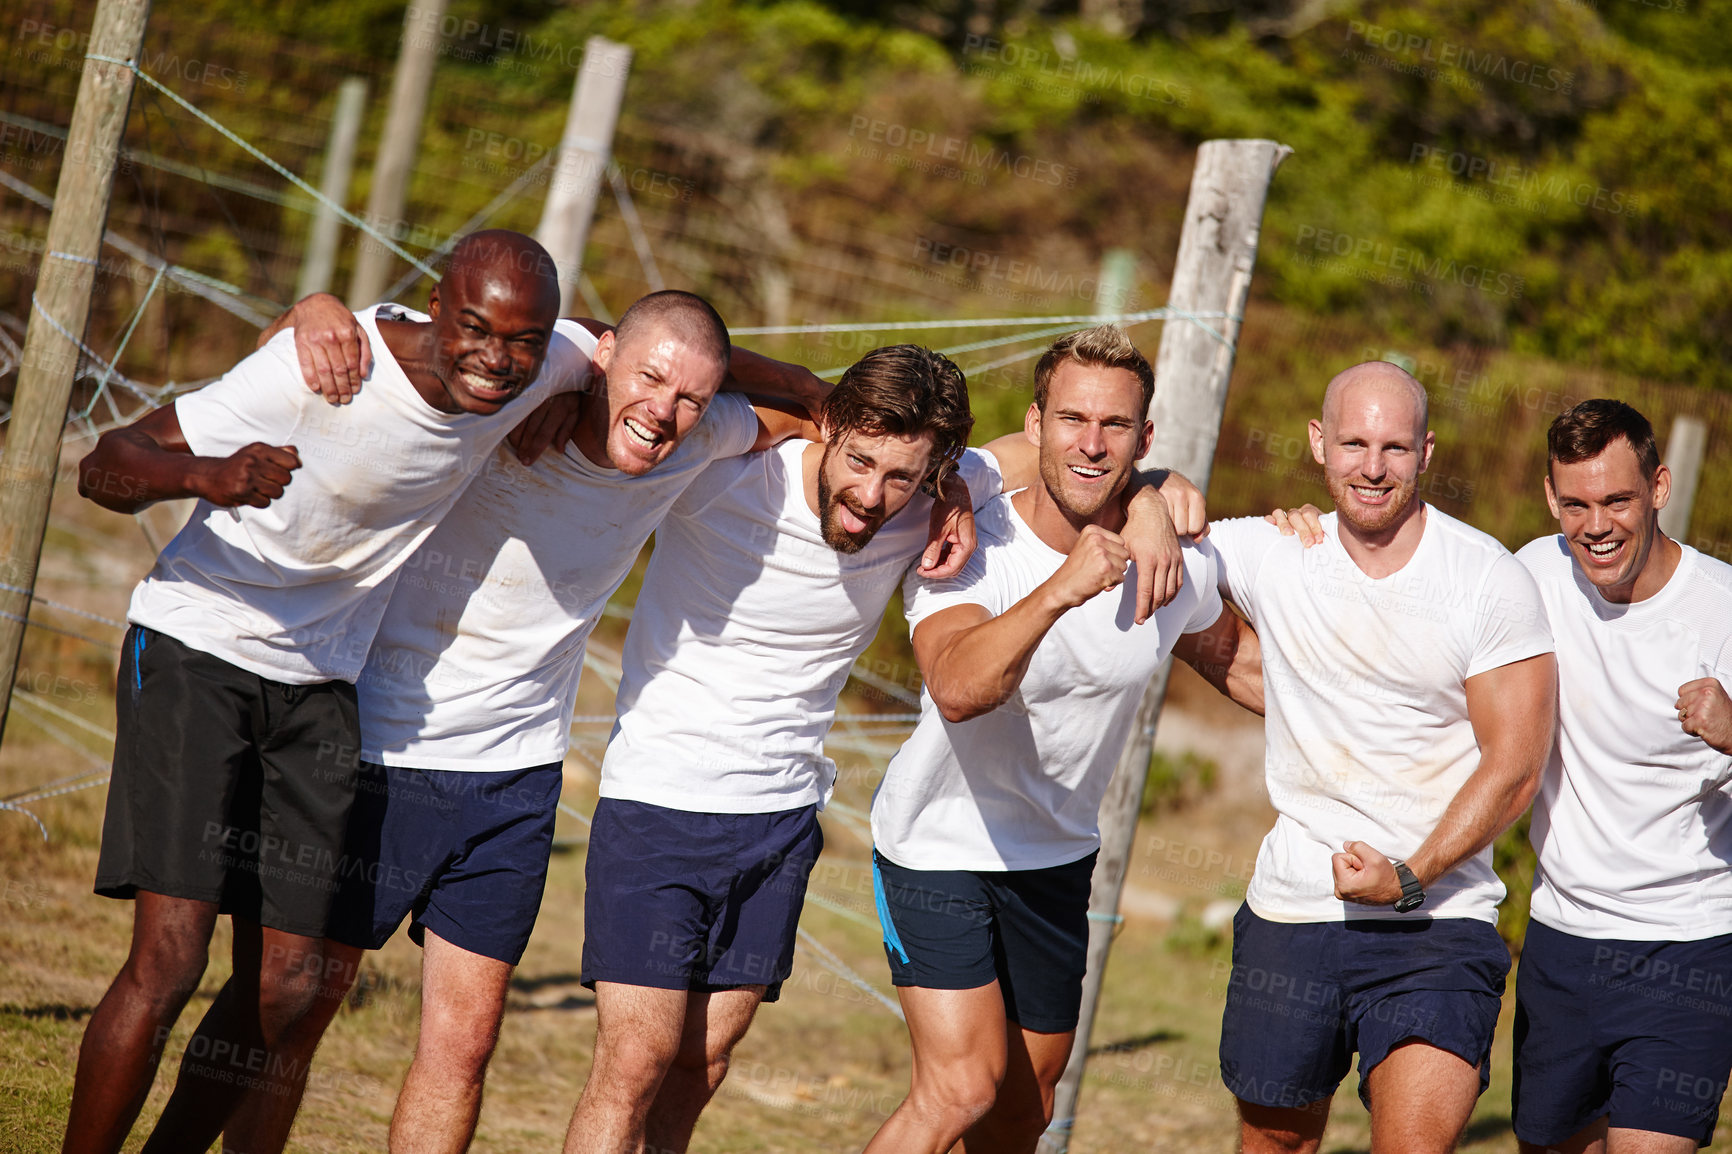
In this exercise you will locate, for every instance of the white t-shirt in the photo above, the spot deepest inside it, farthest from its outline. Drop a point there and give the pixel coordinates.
(1366, 725)
(1020, 787)
(476, 663)
(1633, 825)
(743, 636)
(293, 592)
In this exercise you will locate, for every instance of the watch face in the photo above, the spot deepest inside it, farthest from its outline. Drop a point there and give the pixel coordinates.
(1409, 902)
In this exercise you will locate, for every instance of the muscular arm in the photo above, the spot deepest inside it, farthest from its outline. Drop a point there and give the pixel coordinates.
(762, 376)
(1514, 711)
(1229, 657)
(781, 420)
(973, 661)
(149, 461)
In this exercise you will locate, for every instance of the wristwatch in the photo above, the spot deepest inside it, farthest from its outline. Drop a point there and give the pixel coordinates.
(1412, 893)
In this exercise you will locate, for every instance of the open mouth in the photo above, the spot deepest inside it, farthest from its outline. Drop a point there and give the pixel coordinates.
(641, 435)
(1371, 495)
(1088, 472)
(1603, 552)
(487, 388)
(851, 522)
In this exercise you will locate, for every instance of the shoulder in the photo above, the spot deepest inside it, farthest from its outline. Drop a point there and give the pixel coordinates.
(995, 522)
(575, 335)
(1462, 538)
(1547, 558)
(1200, 557)
(979, 470)
(1467, 551)
(1241, 544)
(1710, 578)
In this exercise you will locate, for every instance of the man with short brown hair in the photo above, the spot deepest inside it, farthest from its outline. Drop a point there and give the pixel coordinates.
(1623, 1024)
(985, 826)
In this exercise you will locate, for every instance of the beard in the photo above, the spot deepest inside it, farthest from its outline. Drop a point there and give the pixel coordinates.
(830, 519)
(1072, 496)
(1365, 520)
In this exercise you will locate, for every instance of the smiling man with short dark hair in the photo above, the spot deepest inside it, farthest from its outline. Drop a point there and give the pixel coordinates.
(1623, 1028)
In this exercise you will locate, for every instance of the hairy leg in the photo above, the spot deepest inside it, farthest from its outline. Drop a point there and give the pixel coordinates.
(1421, 1099)
(123, 1043)
(715, 1023)
(1023, 1109)
(960, 1055)
(462, 1004)
(637, 1036)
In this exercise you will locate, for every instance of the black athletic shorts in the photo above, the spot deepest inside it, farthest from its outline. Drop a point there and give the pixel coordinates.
(963, 929)
(227, 787)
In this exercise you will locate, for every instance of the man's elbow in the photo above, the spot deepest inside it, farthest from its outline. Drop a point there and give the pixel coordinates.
(958, 704)
(1529, 787)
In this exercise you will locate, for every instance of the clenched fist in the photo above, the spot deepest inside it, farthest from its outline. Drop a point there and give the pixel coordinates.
(1097, 563)
(256, 476)
(1705, 711)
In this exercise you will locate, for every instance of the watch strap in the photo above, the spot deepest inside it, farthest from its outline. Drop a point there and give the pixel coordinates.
(1412, 893)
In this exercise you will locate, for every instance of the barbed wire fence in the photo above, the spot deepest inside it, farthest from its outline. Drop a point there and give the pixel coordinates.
(671, 244)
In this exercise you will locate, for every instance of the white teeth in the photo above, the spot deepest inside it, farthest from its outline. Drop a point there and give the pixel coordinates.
(640, 432)
(1604, 550)
(482, 384)
(1086, 472)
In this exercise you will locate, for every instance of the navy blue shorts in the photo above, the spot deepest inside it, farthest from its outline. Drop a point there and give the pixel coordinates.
(1304, 996)
(464, 853)
(1028, 930)
(677, 900)
(1641, 1031)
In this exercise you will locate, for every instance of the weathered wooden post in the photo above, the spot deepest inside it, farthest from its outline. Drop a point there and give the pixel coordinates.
(59, 312)
(320, 263)
(398, 146)
(1685, 449)
(584, 151)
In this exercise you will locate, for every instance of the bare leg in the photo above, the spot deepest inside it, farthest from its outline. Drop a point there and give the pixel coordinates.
(462, 1004)
(637, 1037)
(1023, 1109)
(261, 1121)
(272, 994)
(123, 1043)
(1421, 1099)
(960, 1056)
(1282, 1129)
(714, 1025)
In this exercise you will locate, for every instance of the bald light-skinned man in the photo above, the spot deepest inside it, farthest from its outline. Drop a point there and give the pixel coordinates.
(1410, 691)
